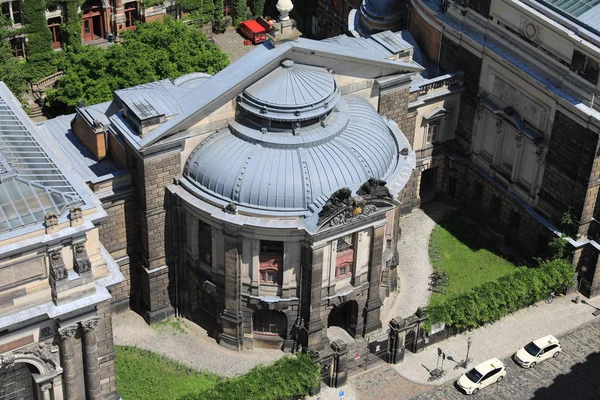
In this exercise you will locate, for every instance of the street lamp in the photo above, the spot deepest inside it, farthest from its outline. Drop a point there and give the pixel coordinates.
(465, 363)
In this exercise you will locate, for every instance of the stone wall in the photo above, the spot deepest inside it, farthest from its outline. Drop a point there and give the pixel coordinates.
(150, 177)
(569, 160)
(119, 236)
(454, 58)
(106, 351)
(511, 224)
(426, 36)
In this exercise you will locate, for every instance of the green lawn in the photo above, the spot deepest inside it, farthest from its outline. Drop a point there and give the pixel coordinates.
(468, 258)
(142, 374)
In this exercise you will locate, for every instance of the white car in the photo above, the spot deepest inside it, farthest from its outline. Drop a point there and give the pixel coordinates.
(538, 350)
(482, 375)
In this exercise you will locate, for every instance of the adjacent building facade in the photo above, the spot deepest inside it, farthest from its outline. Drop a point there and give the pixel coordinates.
(524, 150)
(56, 277)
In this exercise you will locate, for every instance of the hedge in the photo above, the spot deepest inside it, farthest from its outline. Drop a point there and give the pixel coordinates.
(493, 300)
(287, 378)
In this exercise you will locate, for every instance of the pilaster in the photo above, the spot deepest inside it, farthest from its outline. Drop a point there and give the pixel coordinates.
(91, 365)
(67, 362)
(373, 306)
(231, 317)
(317, 337)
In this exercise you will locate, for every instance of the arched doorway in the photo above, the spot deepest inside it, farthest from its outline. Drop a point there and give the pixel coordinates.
(92, 20)
(16, 382)
(269, 328)
(344, 316)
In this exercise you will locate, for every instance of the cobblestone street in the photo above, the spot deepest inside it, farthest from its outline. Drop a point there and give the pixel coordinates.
(573, 375)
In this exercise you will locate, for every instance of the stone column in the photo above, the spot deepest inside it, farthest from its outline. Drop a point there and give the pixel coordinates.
(67, 362)
(396, 338)
(374, 303)
(45, 388)
(91, 365)
(232, 318)
(317, 339)
(341, 363)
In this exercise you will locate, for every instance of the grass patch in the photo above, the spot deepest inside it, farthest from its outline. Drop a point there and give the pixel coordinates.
(142, 374)
(468, 258)
(169, 324)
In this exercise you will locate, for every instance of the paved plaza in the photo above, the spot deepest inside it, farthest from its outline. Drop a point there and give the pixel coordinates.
(572, 375)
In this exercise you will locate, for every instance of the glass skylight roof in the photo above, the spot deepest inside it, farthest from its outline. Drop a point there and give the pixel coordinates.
(574, 8)
(31, 185)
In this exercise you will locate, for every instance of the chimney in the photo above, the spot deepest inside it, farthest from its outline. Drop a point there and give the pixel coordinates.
(90, 132)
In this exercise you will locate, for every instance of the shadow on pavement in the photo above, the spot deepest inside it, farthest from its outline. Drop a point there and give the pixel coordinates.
(580, 383)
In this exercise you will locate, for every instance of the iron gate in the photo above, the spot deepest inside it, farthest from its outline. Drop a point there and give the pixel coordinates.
(369, 353)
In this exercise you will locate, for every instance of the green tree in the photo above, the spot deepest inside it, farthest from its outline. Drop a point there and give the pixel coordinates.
(218, 19)
(238, 11)
(12, 71)
(258, 7)
(154, 51)
(41, 60)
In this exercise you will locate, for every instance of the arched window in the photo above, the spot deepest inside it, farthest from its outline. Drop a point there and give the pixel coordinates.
(270, 322)
(271, 261)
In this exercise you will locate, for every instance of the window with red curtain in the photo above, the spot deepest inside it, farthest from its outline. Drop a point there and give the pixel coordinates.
(344, 262)
(271, 261)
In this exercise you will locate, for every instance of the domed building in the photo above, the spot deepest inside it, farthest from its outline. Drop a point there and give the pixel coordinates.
(290, 212)
(261, 202)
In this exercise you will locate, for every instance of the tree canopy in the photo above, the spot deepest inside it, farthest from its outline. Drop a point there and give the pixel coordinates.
(153, 51)
(12, 72)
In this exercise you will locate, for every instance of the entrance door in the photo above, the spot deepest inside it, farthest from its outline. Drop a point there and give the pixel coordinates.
(92, 26)
(88, 30)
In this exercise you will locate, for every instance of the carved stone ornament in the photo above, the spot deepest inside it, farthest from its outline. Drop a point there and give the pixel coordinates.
(342, 207)
(76, 216)
(82, 261)
(51, 222)
(230, 209)
(67, 333)
(90, 324)
(339, 199)
(58, 270)
(374, 189)
(6, 361)
(47, 353)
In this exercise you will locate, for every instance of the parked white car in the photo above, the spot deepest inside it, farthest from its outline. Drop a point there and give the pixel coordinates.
(481, 376)
(538, 350)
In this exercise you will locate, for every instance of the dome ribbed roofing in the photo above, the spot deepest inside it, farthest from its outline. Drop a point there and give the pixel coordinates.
(289, 173)
(292, 92)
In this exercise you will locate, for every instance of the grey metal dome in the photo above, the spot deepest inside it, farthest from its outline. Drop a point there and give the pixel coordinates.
(292, 92)
(288, 173)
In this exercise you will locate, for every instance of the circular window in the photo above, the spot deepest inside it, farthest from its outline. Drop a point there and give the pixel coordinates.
(530, 30)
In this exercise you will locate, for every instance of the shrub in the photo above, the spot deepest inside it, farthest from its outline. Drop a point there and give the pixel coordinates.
(287, 378)
(492, 300)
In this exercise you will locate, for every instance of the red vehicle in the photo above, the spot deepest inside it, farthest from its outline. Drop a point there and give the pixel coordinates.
(253, 31)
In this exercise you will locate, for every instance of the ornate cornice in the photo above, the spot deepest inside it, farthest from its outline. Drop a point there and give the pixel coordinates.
(67, 332)
(90, 324)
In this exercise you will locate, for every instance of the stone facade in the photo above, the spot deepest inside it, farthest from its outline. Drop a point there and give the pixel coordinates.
(56, 280)
(522, 156)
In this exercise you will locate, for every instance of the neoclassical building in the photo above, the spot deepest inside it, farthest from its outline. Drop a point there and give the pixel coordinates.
(56, 277)
(286, 221)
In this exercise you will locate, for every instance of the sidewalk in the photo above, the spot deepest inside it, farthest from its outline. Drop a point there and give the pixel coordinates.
(501, 339)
